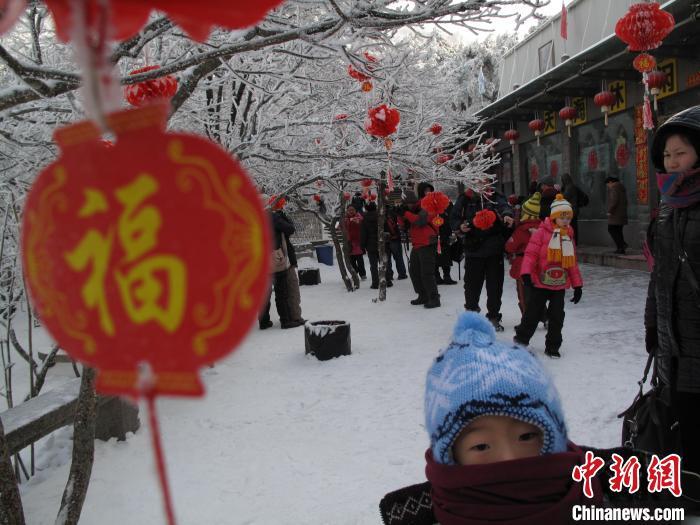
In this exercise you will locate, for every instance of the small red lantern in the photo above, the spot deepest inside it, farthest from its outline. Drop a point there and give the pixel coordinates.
(435, 129)
(568, 115)
(357, 75)
(382, 121)
(644, 62)
(340, 116)
(279, 204)
(143, 93)
(372, 197)
(317, 198)
(442, 158)
(644, 26)
(388, 143)
(656, 80)
(605, 100)
(366, 183)
(537, 127)
(366, 86)
(370, 57)
(512, 136)
(346, 196)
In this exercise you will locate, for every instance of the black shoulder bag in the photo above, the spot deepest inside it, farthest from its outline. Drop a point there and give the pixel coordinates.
(650, 424)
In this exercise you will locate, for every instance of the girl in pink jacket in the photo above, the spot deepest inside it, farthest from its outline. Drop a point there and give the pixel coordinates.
(549, 267)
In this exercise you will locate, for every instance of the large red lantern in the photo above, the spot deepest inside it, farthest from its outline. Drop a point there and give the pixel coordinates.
(149, 91)
(484, 219)
(115, 259)
(568, 115)
(605, 100)
(382, 121)
(512, 136)
(537, 127)
(656, 80)
(644, 26)
(10, 11)
(128, 17)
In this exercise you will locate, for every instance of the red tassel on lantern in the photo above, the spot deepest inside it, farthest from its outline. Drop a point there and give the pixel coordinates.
(647, 115)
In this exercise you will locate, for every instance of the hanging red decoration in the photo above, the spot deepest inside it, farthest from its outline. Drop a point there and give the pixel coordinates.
(490, 142)
(366, 86)
(388, 144)
(346, 195)
(469, 194)
(484, 219)
(341, 116)
(592, 160)
(512, 136)
(279, 204)
(195, 18)
(435, 202)
(622, 155)
(366, 183)
(534, 171)
(149, 91)
(10, 11)
(644, 26)
(435, 129)
(442, 158)
(317, 198)
(537, 127)
(370, 57)
(568, 115)
(644, 62)
(605, 100)
(116, 263)
(554, 168)
(656, 80)
(372, 196)
(382, 121)
(357, 75)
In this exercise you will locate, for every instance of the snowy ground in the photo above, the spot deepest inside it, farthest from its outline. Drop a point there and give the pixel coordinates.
(285, 439)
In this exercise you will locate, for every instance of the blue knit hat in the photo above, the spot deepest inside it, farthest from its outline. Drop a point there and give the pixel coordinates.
(478, 376)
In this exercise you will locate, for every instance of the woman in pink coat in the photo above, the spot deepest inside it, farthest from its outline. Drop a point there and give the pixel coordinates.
(550, 267)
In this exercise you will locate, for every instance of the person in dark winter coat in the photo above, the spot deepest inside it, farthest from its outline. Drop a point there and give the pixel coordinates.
(576, 196)
(352, 228)
(484, 249)
(617, 212)
(548, 191)
(282, 228)
(444, 260)
(421, 264)
(394, 229)
(499, 450)
(293, 291)
(370, 244)
(549, 267)
(672, 318)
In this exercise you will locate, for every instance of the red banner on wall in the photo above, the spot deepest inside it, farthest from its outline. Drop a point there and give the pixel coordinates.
(642, 156)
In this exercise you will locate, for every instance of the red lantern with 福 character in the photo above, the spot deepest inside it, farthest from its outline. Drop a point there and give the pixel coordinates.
(605, 100)
(644, 26)
(382, 121)
(512, 136)
(568, 115)
(142, 93)
(537, 127)
(644, 62)
(656, 80)
(126, 18)
(366, 86)
(117, 266)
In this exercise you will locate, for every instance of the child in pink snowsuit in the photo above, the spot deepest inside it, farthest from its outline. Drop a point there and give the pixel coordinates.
(550, 267)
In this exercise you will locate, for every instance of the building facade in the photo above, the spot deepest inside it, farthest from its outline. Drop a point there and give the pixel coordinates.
(546, 72)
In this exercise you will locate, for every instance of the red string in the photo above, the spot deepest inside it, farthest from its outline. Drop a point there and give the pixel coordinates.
(160, 458)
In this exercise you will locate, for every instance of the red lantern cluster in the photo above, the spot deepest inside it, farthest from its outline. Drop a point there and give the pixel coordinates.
(143, 93)
(195, 18)
(382, 121)
(435, 129)
(644, 26)
(568, 115)
(484, 219)
(537, 127)
(605, 100)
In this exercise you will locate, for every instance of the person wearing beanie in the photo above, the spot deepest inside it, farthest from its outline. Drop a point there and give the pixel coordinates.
(516, 244)
(617, 213)
(499, 451)
(672, 321)
(549, 267)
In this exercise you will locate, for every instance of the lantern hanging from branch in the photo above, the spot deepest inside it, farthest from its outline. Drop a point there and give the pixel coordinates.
(142, 93)
(568, 115)
(435, 129)
(382, 121)
(366, 86)
(512, 136)
(537, 127)
(605, 100)
(357, 75)
(346, 196)
(655, 81)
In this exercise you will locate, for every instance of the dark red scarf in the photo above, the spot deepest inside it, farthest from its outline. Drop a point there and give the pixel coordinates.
(529, 491)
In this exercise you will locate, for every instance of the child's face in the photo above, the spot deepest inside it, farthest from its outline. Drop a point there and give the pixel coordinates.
(679, 155)
(489, 439)
(563, 220)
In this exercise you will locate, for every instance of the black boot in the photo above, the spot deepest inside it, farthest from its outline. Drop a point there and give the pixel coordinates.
(447, 279)
(496, 322)
(418, 300)
(432, 304)
(552, 352)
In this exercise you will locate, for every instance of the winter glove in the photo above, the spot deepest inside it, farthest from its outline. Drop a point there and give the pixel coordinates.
(527, 280)
(578, 292)
(651, 339)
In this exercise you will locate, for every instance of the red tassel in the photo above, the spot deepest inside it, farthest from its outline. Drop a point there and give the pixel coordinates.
(648, 116)
(439, 246)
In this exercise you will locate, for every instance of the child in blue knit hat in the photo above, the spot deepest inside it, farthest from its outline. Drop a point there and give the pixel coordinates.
(498, 442)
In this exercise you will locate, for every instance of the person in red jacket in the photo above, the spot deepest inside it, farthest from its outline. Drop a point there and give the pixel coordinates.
(423, 258)
(528, 222)
(352, 227)
(549, 267)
